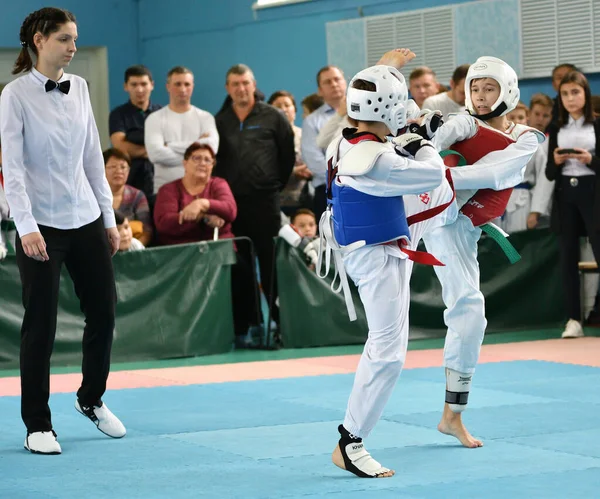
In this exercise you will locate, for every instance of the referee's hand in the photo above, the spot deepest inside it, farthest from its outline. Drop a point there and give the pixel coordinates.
(34, 246)
(114, 239)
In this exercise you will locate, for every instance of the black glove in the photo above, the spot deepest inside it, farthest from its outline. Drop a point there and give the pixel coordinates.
(430, 124)
(408, 144)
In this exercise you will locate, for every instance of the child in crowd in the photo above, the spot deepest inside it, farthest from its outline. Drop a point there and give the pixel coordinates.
(305, 223)
(302, 234)
(310, 104)
(519, 114)
(531, 198)
(128, 242)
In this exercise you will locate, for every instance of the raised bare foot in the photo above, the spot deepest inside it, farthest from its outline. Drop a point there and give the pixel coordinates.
(362, 464)
(451, 424)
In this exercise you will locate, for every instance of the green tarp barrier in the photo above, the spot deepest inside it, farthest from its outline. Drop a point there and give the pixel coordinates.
(526, 295)
(176, 301)
(172, 302)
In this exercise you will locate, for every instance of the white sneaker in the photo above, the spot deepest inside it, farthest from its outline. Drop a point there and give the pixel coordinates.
(42, 442)
(573, 329)
(106, 421)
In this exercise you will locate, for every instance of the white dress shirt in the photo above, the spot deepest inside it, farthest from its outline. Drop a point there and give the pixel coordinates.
(168, 134)
(51, 156)
(312, 154)
(442, 102)
(576, 133)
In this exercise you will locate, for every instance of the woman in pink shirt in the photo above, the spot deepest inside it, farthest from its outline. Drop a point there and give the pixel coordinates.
(188, 210)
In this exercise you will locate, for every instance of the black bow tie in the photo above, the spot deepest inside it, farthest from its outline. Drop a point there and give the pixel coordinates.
(63, 86)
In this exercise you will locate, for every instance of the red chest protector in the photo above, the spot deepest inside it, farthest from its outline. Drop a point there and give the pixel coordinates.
(486, 204)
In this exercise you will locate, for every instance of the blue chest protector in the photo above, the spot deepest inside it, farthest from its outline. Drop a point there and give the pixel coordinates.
(361, 217)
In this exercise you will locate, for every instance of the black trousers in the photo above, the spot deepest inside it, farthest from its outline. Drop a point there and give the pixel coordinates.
(319, 202)
(141, 176)
(244, 291)
(87, 256)
(576, 211)
(259, 219)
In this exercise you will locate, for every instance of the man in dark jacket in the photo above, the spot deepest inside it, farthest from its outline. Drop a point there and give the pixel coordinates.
(256, 156)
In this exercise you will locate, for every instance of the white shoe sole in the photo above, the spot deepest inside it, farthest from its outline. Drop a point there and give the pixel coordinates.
(571, 336)
(33, 451)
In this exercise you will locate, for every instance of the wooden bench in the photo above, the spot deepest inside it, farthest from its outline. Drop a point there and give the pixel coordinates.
(588, 267)
(585, 268)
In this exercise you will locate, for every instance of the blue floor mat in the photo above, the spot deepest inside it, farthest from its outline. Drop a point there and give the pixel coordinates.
(273, 438)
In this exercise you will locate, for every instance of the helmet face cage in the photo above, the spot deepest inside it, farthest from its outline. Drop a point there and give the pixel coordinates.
(387, 104)
(497, 69)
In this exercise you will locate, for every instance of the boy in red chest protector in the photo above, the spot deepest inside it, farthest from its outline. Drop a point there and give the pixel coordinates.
(497, 153)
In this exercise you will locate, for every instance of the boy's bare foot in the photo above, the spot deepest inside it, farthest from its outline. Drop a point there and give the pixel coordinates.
(451, 424)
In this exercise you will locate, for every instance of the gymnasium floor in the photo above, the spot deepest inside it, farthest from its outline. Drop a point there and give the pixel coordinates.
(263, 424)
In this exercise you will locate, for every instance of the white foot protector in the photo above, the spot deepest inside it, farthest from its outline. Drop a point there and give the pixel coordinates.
(356, 458)
(104, 419)
(42, 442)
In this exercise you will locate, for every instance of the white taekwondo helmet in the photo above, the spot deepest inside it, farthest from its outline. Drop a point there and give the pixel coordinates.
(492, 67)
(387, 104)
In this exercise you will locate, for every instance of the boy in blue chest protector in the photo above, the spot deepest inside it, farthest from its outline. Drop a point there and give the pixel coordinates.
(382, 198)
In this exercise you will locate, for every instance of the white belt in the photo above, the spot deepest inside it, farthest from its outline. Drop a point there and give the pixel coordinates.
(328, 245)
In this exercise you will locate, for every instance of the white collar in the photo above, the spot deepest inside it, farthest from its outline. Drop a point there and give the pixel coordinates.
(42, 79)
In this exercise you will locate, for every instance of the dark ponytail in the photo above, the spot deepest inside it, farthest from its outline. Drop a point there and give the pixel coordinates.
(45, 21)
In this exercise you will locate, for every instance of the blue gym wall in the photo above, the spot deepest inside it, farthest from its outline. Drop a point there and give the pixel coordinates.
(285, 46)
(100, 23)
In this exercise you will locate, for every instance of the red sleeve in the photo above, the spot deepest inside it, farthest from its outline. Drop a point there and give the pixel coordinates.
(166, 210)
(221, 199)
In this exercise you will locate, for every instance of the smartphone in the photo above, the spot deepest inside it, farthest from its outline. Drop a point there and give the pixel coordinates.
(567, 151)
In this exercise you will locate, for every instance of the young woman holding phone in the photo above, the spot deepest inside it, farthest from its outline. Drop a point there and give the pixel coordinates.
(574, 165)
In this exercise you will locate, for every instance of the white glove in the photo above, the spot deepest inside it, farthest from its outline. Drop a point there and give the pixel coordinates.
(311, 251)
(3, 251)
(408, 144)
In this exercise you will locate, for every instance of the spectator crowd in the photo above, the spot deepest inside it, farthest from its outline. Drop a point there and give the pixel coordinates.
(179, 175)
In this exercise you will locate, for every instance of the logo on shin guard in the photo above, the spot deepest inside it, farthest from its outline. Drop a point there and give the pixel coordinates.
(464, 379)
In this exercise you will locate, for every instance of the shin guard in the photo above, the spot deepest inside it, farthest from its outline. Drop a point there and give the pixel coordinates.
(458, 386)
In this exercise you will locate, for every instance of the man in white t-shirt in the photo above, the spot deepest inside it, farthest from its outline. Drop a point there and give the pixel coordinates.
(452, 101)
(169, 131)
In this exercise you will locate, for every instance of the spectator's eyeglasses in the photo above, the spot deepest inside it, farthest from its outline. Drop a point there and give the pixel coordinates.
(124, 167)
(201, 159)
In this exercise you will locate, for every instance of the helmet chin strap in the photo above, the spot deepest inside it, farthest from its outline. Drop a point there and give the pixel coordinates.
(494, 114)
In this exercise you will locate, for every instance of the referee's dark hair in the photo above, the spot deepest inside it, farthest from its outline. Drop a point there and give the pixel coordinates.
(45, 21)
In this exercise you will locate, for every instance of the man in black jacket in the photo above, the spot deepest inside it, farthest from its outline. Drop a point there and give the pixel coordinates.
(256, 156)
